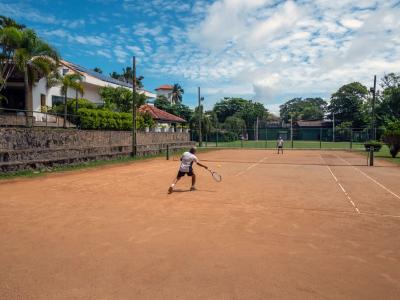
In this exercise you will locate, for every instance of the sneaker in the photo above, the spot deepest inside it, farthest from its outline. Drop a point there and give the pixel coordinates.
(170, 190)
(193, 188)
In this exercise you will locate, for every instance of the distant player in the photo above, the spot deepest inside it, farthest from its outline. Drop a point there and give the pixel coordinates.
(186, 168)
(279, 145)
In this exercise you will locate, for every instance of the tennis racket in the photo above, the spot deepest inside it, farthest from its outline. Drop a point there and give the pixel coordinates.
(215, 176)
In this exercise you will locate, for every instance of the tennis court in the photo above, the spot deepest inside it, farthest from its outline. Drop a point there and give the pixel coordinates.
(303, 225)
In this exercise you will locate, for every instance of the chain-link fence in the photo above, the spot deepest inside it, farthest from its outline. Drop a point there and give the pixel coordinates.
(297, 138)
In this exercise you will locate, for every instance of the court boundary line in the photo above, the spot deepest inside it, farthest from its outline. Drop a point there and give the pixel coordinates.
(342, 188)
(251, 166)
(370, 178)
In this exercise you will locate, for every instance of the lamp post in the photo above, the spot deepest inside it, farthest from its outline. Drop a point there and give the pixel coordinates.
(134, 144)
(373, 91)
(371, 152)
(200, 117)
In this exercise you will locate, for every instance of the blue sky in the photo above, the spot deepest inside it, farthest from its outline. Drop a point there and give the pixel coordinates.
(265, 50)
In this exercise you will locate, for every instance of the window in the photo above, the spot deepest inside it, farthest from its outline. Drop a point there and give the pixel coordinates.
(55, 100)
(42, 100)
(64, 71)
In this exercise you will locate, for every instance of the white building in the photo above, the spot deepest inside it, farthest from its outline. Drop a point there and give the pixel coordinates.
(92, 83)
(165, 90)
(42, 96)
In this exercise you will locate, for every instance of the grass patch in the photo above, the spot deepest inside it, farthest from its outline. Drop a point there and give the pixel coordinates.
(385, 155)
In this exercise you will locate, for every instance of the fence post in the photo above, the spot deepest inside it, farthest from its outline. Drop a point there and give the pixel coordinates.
(216, 141)
(351, 138)
(241, 142)
(167, 152)
(266, 138)
(320, 138)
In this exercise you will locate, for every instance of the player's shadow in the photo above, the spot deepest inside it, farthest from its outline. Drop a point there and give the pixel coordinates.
(189, 191)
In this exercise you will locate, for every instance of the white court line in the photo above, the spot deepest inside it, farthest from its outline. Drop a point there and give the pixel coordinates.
(370, 178)
(342, 188)
(251, 166)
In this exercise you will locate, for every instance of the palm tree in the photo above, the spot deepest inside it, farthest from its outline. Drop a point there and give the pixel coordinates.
(67, 81)
(10, 39)
(177, 92)
(34, 58)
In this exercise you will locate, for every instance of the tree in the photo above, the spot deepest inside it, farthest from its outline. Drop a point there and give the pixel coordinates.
(347, 104)
(389, 101)
(303, 109)
(127, 76)
(391, 137)
(73, 81)
(34, 58)
(120, 99)
(10, 40)
(8, 22)
(98, 70)
(162, 103)
(177, 92)
(250, 112)
(177, 109)
(228, 107)
(235, 125)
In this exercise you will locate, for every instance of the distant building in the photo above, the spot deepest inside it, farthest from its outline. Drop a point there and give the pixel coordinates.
(43, 96)
(162, 118)
(165, 90)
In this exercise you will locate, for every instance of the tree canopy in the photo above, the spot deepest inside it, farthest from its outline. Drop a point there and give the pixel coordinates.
(348, 104)
(307, 109)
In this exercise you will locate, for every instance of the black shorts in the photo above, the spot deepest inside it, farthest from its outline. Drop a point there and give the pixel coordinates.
(181, 174)
(280, 147)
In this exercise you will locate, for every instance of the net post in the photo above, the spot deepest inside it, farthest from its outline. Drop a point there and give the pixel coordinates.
(371, 156)
(167, 152)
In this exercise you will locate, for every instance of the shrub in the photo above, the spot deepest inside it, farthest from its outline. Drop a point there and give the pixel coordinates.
(71, 106)
(391, 137)
(108, 120)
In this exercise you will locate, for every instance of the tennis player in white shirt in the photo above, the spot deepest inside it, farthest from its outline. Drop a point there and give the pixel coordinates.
(186, 168)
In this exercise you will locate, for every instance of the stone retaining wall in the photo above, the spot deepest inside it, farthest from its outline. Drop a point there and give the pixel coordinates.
(31, 148)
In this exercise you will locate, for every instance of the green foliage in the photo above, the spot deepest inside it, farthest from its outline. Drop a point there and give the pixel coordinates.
(109, 120)
(348, 102)
(234, 124)
(127, 76)
(177, 93)
(391, 137)
(71, 106)
(228, 107)
(120, 99)
(307, 109)
(388, 108)
(177, 109)
(250, 112)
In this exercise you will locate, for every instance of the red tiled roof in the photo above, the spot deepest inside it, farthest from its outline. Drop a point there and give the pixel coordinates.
(165, 87)
(160, 115)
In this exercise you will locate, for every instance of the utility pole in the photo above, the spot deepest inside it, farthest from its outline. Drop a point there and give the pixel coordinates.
(200, 117)
(373, 90)
(371, 151)
(134, 145)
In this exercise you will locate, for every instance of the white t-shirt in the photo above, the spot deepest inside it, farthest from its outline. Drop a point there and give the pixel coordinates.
(280, 143)
(187, 160)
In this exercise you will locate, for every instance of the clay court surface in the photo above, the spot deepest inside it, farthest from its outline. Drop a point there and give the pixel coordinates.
(303, 225)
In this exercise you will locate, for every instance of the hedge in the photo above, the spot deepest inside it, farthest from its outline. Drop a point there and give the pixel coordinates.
(104, 119)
